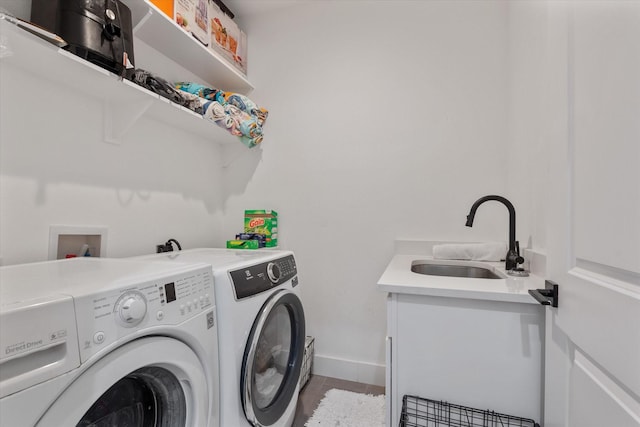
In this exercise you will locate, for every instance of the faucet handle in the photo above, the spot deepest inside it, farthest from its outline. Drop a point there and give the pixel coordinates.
(519, 259)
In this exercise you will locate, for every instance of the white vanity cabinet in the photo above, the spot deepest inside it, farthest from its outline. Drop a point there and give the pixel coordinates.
(463, 341)
(482, 354)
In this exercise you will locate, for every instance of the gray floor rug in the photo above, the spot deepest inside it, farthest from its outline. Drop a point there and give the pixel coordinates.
(341, 408)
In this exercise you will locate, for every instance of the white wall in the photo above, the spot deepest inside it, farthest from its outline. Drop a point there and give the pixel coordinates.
(528, 145)
(56, 169)
(387, 120)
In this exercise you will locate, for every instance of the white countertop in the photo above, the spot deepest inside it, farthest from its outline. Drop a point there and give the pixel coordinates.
(398, 278)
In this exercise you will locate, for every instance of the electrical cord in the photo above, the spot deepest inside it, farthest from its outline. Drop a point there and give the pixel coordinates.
(170, 241)
(168, 246)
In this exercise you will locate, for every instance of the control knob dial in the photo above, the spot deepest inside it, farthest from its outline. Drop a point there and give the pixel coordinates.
(131, 308)
(274, 273)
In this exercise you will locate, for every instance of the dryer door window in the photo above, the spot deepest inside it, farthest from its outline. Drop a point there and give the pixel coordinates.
(273, 359)
(148, 397)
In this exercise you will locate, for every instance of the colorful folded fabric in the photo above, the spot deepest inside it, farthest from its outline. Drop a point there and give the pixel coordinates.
(235, 121)
(200, 90)
(214, 111)
(237, 99)
(234, 112)
(247, 105)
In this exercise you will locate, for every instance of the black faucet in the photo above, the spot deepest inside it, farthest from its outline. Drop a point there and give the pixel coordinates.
(513, 257)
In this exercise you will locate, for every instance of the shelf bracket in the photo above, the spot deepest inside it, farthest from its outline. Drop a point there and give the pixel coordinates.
(143, 20)
(119, 118)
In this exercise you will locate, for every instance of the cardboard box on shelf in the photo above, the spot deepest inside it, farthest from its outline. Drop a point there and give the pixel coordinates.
(193, 17)
(166, 6)
(227, 38)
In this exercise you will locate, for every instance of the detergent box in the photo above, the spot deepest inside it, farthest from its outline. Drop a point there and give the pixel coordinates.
(243, 244)
(263, 222)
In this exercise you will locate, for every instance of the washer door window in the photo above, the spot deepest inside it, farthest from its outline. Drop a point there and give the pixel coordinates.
(154, 381)
(148, 397)
(273, 359)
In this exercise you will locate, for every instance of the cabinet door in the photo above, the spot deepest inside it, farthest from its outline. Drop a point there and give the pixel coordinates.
(593, 337)
(476, 353)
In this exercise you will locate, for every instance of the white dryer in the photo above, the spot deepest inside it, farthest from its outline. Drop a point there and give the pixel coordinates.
(261, 328)
(104, 342)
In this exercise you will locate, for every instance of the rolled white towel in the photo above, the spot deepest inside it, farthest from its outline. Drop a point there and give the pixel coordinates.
(489, 251)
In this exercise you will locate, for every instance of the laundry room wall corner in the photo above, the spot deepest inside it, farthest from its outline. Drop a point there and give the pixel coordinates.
(379, 113)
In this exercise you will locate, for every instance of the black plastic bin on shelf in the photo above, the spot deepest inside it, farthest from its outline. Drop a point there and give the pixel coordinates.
(420, 412)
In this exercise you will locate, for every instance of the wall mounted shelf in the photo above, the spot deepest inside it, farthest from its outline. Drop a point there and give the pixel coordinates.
(158, 31)
(124, 102)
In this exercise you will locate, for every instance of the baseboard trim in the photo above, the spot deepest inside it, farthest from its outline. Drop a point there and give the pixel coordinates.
(350, 370)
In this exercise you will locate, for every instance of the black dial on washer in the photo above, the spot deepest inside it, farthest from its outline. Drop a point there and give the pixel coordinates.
(273, 271)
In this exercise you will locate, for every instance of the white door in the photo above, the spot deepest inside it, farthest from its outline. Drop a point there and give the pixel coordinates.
(592, 372)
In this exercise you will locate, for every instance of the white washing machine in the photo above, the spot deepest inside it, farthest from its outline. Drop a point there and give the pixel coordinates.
(104, 342)
(261, 328)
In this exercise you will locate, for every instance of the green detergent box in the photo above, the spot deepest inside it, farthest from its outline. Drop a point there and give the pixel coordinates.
(264, 222)
(243, 244)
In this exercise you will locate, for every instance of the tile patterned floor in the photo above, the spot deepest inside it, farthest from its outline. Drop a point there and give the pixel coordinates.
(314, 391)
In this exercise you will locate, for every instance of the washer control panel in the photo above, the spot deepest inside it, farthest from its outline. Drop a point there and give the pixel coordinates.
(125, 309)
(258, 278)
